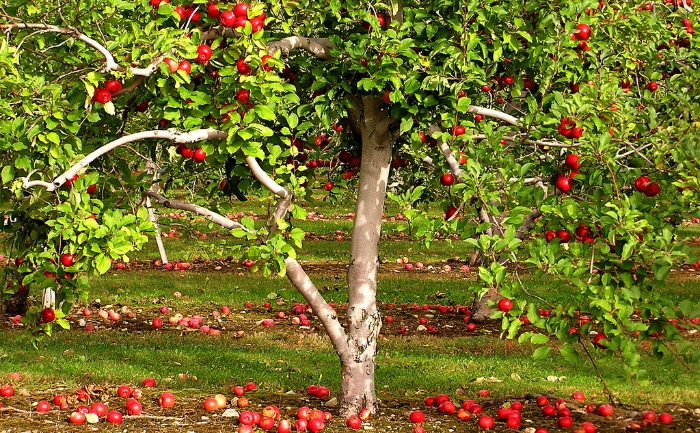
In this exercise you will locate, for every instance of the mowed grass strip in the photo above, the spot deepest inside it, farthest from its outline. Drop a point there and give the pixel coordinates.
(279, 361)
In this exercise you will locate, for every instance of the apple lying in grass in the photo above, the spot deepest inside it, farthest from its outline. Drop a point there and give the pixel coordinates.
(77, 418)
(7, 391)
(354, 422)
(115, 417)
(588, 427)
(133, 407)
(665, 418)
(99, 409)
(43, 406)
(166, 400)
(605, 410)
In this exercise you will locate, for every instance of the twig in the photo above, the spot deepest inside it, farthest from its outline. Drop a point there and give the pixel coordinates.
(156, 417)
(522, 287)
(14, 409)
(600, 375)
(675, 355)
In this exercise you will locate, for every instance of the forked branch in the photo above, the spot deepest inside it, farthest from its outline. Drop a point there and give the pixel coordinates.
(171, 134)
(110, 63)
(199, 210)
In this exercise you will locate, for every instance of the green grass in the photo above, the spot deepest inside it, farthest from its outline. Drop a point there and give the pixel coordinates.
(285, 362)
(282, 359)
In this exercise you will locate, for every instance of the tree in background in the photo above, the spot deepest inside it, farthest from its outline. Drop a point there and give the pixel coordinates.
(561, 136)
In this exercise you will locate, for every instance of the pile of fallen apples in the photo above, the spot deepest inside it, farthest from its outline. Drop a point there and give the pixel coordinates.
(314, 420)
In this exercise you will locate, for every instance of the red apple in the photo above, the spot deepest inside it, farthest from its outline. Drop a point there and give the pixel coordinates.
(665, 418)
(48, 315)
(447, 179)
(584, 32)
(204, 53)
(354, 422)
(166, 400)
(588, 427)
(77, 418)
(417, 417)
(486, 422)
(564, 183)
(505, 305)
(114, 417)
(67, 259)
(133, 407)
(605, 410)
(7, 391)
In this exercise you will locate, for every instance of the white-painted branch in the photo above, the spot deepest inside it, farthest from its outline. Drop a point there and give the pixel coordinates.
(451, 160)
(212, 216)
(318, 47)
(109, 59)
(152, 169)
(26, 183)
(110, 63)
(280, 212)
(527, 180)
(634, 150)
(326, 314)
(159, 239)
(493, 113)
(170, 134)
(265, 179)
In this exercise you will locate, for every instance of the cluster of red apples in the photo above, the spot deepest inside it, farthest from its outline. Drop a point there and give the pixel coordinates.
(237, 18)
(98, 410)
(196, 155)
(104, 94)
(573, 163)
(307, 419)
(510, 414)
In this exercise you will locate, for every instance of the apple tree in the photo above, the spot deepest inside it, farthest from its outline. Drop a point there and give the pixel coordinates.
(560, 136)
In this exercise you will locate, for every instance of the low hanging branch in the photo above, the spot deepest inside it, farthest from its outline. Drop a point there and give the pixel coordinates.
(111, 64)
(199, 210)
(170, 134)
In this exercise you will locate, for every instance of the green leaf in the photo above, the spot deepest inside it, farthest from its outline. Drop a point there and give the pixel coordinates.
(63, 323)
(102, 263)
(539, 339)
(8, 173)
(541, 352)
(109, 108)
(265, 112)
(406, 124)
(569, 353)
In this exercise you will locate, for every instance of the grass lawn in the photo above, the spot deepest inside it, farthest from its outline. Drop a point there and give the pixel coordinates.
(284, 359)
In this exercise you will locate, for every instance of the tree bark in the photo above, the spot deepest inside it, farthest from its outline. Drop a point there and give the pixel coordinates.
(364, 319)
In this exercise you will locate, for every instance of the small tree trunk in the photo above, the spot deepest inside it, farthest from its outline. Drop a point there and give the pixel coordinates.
(16, 304)
(364, 319)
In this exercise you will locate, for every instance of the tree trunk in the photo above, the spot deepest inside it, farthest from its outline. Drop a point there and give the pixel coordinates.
(364, 319)
(15, 304)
